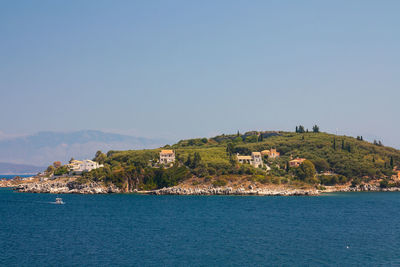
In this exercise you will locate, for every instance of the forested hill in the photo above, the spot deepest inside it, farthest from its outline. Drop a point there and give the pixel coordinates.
(350, 159)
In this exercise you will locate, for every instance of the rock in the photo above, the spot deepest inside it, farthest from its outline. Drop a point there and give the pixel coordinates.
(71, 187)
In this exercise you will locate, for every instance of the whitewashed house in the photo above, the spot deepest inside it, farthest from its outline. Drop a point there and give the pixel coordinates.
(255, 159)
(167, 157)
(80, 166)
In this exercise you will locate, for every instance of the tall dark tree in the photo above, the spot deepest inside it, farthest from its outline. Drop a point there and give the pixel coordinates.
(297, 129)
(334, 143)
(196, 160)
(315, 128)
(301, 129)
(343, 144)
(362, 138)
(189, 160)
(391, 162)
(230, 147)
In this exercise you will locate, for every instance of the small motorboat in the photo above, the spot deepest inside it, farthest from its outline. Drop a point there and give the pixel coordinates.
(59, 201)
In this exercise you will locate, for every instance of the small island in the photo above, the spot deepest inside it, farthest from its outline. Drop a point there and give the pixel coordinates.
(253, 163)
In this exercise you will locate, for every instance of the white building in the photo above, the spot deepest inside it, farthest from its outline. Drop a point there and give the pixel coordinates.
(255, 159)
(80, 166)
(167, 157)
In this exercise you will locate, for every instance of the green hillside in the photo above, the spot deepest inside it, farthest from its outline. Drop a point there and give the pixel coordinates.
(350, 159)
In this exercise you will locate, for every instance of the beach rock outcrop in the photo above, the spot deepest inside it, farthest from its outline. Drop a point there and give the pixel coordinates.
(71, 187)
(176, 190)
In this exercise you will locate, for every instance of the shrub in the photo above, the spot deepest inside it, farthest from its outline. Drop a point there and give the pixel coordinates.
(219, 182)
(384, 184)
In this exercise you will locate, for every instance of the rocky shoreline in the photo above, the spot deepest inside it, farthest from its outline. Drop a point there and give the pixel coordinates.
(176, 190)
(73, 187)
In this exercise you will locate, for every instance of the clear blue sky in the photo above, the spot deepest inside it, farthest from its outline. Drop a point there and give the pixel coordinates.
(198, 68)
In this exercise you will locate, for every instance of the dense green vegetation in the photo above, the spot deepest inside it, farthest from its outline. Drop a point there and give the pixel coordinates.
(346, 158)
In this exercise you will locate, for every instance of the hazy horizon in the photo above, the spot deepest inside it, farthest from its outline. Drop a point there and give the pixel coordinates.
(182, 69)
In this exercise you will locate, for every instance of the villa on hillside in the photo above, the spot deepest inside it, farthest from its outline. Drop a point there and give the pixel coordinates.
(167, 156)
(80, 166)
(272, 154)
(255, 159)
(296, 162)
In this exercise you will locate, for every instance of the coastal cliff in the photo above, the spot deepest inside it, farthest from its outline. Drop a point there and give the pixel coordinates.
(66, 187)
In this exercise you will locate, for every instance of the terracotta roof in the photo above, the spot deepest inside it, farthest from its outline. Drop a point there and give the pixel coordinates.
(298, 160)
(167, 152)
(244, 157)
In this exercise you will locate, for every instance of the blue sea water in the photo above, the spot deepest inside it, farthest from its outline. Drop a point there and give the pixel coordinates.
(14, 175)
(344, 229)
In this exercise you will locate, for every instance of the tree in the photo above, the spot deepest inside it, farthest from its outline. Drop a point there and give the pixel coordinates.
(57, 164)
(260, 138)
(301, 129)
(315, 128)
(71, 160)
(334, 143)
(230, 148)
(189, 160)
(306, 171)
(196, 160)
(297, 129)
(100, 157)
(343, 144)
(349, 148)
(321, 165)
(391, 162)
(362, 138)
(238, 134)
(50, 169)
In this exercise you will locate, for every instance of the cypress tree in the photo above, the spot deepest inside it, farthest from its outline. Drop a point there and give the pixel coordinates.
(297, 129)
(349, 148)
(343, 144)
(362, 138)
(391, 161)
(189, 160)
(334, 143)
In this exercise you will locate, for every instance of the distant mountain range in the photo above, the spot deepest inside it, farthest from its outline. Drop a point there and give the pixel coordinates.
(11, 168)
(43, 148)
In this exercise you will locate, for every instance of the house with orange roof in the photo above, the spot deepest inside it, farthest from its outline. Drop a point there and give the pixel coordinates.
(272, 154)
(296, 162)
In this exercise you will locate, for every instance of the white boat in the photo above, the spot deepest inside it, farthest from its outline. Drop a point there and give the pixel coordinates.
(59, 201)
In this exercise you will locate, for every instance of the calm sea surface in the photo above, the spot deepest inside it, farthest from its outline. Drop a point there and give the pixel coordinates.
(121, 230)
(14, 175)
